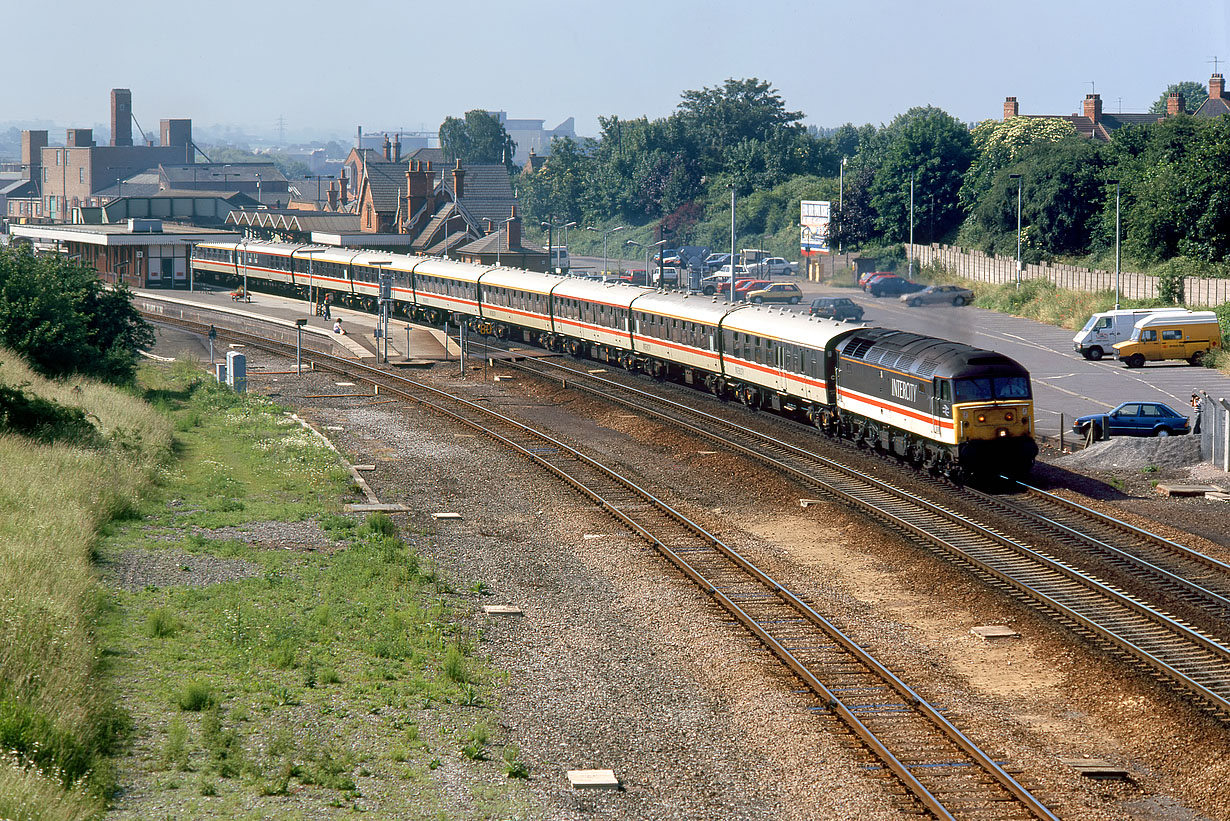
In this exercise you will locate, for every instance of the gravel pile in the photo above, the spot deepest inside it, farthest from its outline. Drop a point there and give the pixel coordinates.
(1135, 453)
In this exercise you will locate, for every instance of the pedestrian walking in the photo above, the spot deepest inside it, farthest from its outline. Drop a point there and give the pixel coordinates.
(328, 308)
(1198, 406)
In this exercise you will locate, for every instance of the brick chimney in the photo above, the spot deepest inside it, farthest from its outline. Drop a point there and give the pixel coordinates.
(459, 178)
(1217, 86)
(418, 188)
(1175, 104)
(121, 116)
(514, 230)
(388, 148)
(1093, 107)
(32, 145)
(331, 197)
(397, 147)
(343, 192)
(1011, 108)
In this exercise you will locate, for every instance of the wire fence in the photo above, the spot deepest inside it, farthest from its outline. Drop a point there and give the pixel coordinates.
(982, 267)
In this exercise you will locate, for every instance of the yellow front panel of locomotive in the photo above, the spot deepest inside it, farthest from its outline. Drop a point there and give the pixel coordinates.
(982, 422)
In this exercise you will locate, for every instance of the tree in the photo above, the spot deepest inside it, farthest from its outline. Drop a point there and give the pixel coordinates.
(1194, 94)
(479, 138)
(936, 149)
(57, 314)
(717, 119)
(998, 144)
(557, 190)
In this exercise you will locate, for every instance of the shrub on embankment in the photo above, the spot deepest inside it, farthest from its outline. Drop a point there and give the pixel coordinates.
(75, 454)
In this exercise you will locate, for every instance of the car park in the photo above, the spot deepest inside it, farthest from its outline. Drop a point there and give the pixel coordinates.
(1099, 335)
(715, 283)
(667, 275)
(893, 286)
(939, 295)
(836, 307)
(1189, 335)
(1134, 419)
(772, 266)
(786, 292)
(716, 261)
(740, 271)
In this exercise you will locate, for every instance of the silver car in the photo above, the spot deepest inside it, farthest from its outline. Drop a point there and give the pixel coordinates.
(939, 294)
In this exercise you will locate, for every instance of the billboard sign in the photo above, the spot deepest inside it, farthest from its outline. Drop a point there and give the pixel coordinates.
(814, 227)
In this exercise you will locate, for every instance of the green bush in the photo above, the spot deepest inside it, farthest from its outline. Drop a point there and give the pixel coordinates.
(196, 696)
(161, 623)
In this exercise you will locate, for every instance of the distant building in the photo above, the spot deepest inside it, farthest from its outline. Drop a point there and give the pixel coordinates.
(530, 135)
(1092, 122)
(1217, 103)
(75, 174)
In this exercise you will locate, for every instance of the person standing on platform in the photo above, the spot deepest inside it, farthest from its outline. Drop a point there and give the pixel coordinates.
(328, 306)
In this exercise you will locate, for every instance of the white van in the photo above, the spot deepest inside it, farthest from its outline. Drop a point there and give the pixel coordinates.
(1103, 330)
(559, 258)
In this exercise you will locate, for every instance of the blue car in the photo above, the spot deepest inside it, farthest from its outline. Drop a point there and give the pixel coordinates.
(1135, 419)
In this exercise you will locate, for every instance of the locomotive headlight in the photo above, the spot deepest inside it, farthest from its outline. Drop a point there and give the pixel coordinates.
(982, 417)
(1001, 432)
(1009, 416)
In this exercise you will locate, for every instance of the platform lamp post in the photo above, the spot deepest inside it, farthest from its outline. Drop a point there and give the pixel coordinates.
(647, 249)
(299, 323)
(386, 298)
(550, 227)
(243, 249)
(841, 202)
(258, 190)
(605, 234)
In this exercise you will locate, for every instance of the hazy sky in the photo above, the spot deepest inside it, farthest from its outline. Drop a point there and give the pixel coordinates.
(334, 65)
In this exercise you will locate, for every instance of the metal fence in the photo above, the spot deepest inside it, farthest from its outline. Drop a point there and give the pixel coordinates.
(982, 267)
(1215, 431)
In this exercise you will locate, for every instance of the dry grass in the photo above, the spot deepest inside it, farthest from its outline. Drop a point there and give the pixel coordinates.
(54, 711)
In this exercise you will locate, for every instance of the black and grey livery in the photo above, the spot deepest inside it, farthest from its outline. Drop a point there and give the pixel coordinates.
(945, 406)
(936, 402)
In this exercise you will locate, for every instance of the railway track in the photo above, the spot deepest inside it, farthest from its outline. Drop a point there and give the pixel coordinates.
(941, 771)
(1191, 661)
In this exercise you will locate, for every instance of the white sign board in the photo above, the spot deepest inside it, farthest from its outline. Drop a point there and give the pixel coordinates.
(814, 227)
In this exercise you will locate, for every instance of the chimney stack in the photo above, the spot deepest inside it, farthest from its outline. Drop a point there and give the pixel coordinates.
(32, 145)
(1011, 108)
(1175, 104)
(459, 177)
(121, 116)
(388, 148)
(1093, 107)
(514, 230)
(1217, 86)
(397, 147)
(343, 195)
(358, 139)
(331, 196)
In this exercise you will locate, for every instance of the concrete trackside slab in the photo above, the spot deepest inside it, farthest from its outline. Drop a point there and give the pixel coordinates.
(995, 631)
(376, 508)
(593, 780)
(502, 610)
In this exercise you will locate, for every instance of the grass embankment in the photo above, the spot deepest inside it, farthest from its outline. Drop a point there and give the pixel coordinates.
(325, 671)
(69, 473)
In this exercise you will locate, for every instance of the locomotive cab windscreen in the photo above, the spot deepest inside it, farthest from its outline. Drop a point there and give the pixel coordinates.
(990, 389)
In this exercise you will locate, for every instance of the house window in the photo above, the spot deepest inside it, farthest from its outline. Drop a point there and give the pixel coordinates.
(81, 174)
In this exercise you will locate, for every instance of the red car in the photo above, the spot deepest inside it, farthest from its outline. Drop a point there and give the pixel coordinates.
(742, 286)
(862, 280)
(874, 278)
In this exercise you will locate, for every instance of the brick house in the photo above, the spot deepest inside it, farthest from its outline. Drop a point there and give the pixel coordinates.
(1094, 123)
(1217, 103)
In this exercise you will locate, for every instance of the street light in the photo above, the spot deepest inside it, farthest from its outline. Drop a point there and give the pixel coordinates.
(605, 234)
(732, 243)
(550, 254)
(911, 274)
(1017, 177)
(1116, 245)
(841, 201)
(646, 248)
(258, 190)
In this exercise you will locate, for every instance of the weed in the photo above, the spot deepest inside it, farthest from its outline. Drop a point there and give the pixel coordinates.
(434, 763)
(175, 753)
(378, 524)
(209, 788)
(328, 675)
(514, 767)
(470, 696)
(225, 749)
(280, 785)
(337, 527)
(455, 665)
(196, 696)
(1117, 483)
(161, 624)
(479, 589)
(1149, 469)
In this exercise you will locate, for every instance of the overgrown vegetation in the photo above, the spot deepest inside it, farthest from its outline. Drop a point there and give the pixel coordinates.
(307, 670)
(76, 456)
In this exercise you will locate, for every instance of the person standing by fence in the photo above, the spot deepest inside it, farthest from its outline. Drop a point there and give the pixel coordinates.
(1198, 406)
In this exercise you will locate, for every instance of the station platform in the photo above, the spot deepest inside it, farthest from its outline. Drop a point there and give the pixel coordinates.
(408, 344)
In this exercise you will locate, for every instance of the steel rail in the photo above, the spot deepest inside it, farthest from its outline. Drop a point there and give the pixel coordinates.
(1001, 779)
(1206, 673)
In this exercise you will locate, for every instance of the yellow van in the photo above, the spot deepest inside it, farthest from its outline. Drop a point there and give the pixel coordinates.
(1171, 336)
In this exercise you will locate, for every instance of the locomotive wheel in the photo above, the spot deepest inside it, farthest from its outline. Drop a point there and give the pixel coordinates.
(657, 369)
(575, 346)
(501, 332)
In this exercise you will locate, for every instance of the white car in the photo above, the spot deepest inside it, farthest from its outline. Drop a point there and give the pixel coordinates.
(740, 271)
(773, 266)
